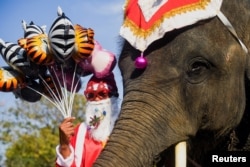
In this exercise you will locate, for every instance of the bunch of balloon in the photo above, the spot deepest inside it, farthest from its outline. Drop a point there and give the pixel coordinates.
(51, 65)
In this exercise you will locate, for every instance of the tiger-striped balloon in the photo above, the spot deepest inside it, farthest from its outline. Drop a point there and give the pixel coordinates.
(38, 50)
(22, 42)
(62, 37)
(84, 43)
(14, 55)
(9, 79)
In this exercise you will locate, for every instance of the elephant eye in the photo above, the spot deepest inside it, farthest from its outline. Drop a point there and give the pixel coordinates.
(198, 70)
(198, 67)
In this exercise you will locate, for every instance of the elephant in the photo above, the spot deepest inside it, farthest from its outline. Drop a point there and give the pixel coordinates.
(194, 89)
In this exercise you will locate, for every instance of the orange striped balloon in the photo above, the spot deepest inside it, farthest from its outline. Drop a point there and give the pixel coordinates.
(84, 43)
(9, 79)
(22, 42)
(38, 50)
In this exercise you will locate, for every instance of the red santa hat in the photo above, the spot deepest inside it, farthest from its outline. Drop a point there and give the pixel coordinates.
(101, 87)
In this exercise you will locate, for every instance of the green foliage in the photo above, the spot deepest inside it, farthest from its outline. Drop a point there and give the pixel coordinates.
(36, 149)
(30, 130)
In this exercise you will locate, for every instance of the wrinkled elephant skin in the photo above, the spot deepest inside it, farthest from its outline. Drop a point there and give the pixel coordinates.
(193, 89)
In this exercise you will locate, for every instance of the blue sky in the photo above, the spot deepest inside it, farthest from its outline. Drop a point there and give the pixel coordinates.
(104, 17)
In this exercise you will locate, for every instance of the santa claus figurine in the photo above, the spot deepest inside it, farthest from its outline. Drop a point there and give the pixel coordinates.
(81, 145)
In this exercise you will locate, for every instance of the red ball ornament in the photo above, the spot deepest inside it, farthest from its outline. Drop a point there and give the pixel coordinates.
(141, 62)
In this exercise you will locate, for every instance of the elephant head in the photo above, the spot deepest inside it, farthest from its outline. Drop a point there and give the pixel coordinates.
(193, 89)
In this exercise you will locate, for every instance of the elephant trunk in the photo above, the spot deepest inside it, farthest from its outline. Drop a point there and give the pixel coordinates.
(143, 131)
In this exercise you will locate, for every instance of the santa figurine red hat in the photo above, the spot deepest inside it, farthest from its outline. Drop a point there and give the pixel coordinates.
(101, 88)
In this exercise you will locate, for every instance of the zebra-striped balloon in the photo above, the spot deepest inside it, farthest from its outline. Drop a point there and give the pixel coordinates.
(14, 55)
(32, 29)
(62, 37)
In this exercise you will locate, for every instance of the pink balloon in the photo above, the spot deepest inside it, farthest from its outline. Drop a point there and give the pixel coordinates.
(100, 63)
(103, 61)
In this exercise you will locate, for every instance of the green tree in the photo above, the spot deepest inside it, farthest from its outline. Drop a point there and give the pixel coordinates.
(30, 130)
(37, 149)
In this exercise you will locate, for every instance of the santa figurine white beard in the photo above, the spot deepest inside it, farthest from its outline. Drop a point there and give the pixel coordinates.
(100, 117)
